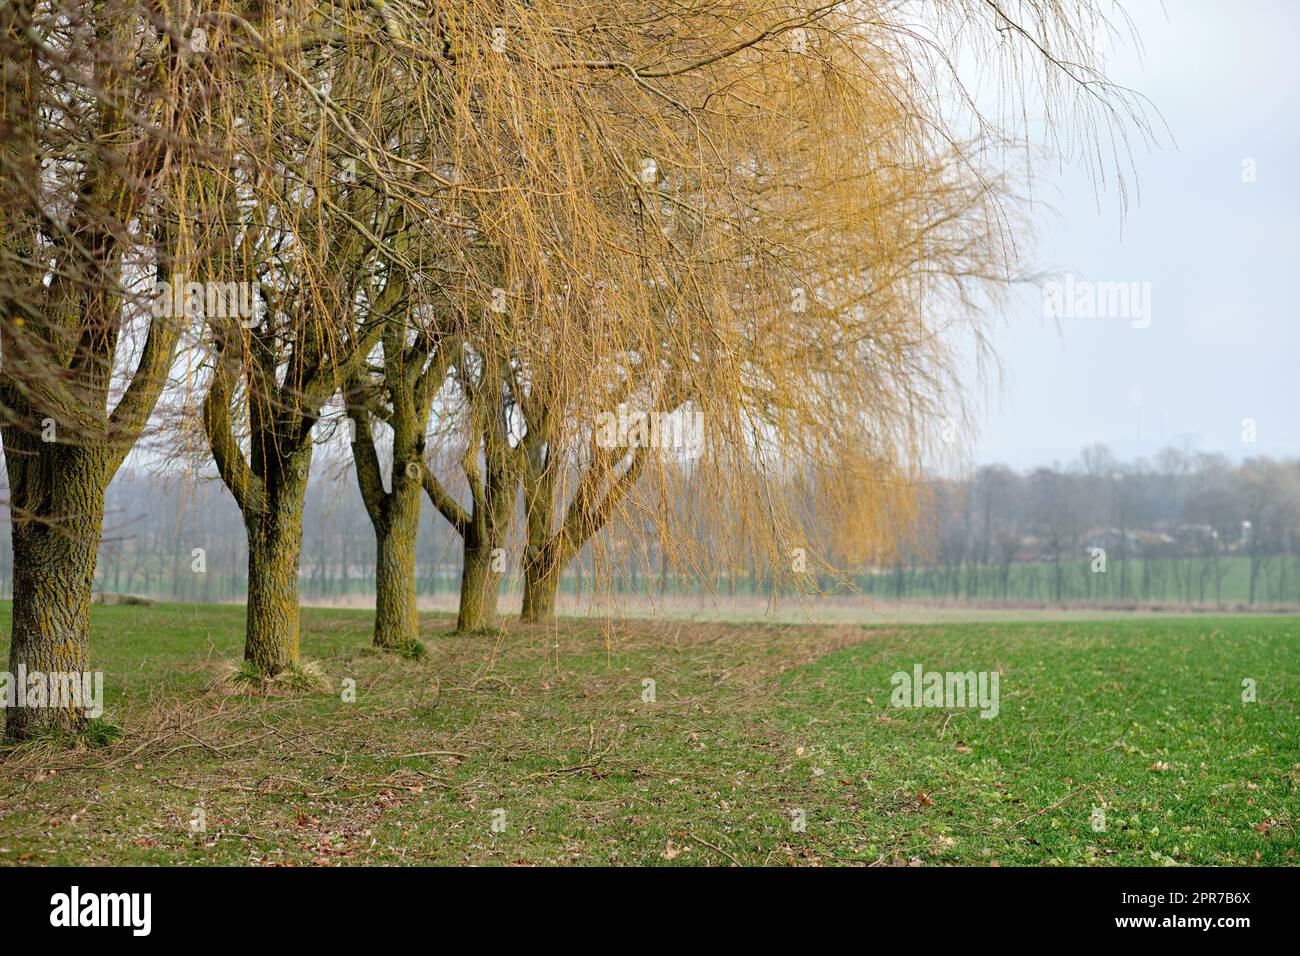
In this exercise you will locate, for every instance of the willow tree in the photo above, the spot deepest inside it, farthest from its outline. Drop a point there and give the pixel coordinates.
(519, 233)
(97, 124)
(501, 134)
(813, 234)
(400, 393)
(751, 213)
(748, 213)
(796, 219)
(321, 115)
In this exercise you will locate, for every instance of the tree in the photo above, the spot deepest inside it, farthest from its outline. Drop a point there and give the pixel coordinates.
(841, 187)
(793, 278)
(96, 156)
(1270, 500)
(411, 378)
(326, 208)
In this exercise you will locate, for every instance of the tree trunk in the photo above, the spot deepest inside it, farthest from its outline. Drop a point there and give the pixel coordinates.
(540, 588)
(478, 586)
(397, 623)
(55, 546)
(274, 545)
(541, 567)
(395, 515)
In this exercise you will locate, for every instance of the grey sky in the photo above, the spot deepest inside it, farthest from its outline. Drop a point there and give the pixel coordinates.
(1222, 257)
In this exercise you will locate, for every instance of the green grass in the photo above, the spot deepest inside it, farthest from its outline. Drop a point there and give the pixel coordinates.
(1141, 718)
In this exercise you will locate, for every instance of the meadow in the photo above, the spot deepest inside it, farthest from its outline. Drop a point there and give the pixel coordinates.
(1124, 741)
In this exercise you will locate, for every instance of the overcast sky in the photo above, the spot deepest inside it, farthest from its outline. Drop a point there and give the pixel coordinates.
(1222, 257)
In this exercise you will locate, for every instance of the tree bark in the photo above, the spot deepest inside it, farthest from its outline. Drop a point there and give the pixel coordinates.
(397, 623)
(272, 637)
(542, 566)
(540, 591)
(55, 545)
(269, 487)
(479, 585)
(395, 514)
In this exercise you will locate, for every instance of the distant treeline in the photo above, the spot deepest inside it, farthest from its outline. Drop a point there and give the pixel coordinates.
(1184, 528)
(1190, 528)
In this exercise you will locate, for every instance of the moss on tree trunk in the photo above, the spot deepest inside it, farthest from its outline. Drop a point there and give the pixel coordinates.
(397, 623)
(540, 589)
(395, 514)
(274, 545)
(479, 586)
(269, 486)
(55, 545)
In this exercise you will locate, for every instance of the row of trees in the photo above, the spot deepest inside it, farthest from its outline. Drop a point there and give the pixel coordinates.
(1191, 528)
(1192, 514)
(171, 537)
(466, 235)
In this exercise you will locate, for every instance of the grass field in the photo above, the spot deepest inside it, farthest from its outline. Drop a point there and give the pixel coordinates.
(753, 728)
